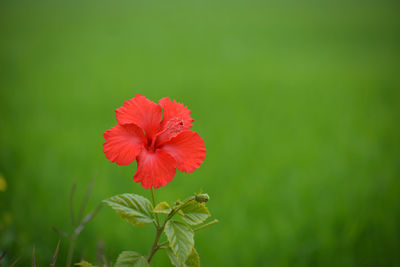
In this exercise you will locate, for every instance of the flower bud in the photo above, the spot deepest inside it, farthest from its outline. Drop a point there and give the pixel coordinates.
(202, 198)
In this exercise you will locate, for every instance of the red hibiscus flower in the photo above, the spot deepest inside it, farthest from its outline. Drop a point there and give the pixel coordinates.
(158, 137)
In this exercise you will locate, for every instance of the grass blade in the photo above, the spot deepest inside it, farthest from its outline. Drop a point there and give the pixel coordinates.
(71, 203)
(85, 200)
(59, 232)
(15, 262)
(53, 261)
(33, 258)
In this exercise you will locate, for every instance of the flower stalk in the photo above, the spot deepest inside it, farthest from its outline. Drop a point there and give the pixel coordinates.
(154, 204)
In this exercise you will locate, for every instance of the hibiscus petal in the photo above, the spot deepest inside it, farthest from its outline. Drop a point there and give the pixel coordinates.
(142, 112)
(155, 169)
(123, 143)
(173, 109)
(188, 149)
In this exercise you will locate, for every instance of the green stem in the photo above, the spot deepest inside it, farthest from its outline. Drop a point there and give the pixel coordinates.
(155, 246)
(177, 208)
(154, 204)
(160, 229)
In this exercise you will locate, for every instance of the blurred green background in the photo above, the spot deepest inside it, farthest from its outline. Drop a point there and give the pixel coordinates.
(297, 101)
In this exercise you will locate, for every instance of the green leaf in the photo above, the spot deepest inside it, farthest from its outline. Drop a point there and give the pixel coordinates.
(172, 258)
(193, 260)
(133, 208)
(162, 207)
(84, 264)
(131, 259)
(180, 238)
(195, 213)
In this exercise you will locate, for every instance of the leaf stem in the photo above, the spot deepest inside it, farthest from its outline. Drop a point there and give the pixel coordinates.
(206, 225)
(163, 244)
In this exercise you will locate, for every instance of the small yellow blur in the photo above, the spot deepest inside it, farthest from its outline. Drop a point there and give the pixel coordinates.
(3, 183)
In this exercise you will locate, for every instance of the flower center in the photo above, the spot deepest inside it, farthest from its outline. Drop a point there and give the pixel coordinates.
(170, 129)
(173, 126)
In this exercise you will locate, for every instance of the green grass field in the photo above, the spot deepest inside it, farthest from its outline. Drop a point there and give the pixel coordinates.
(298, 104)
